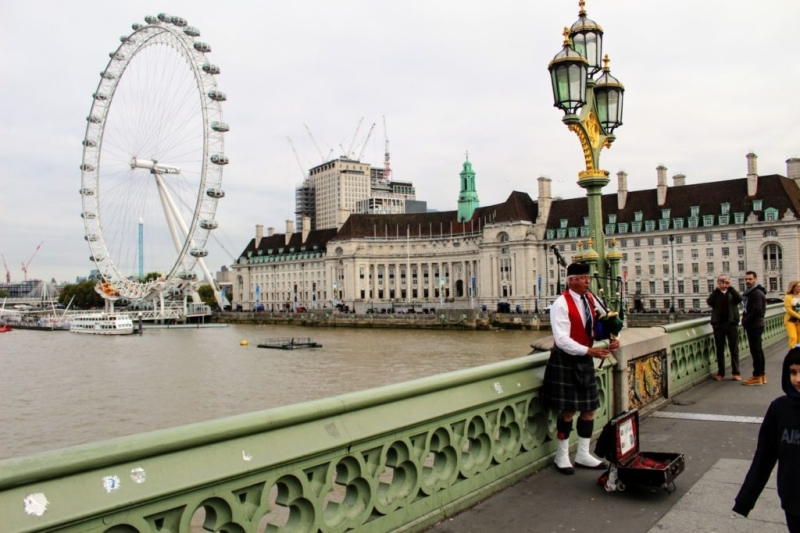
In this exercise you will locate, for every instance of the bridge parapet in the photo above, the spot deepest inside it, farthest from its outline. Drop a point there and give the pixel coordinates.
(395, 458)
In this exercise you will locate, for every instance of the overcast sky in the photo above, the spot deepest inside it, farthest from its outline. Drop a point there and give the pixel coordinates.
(706, 82)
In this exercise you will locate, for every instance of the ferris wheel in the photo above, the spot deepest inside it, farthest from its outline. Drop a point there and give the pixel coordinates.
(152, 162)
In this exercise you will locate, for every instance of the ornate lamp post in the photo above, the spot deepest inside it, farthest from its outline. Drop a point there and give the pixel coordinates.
(592, 110)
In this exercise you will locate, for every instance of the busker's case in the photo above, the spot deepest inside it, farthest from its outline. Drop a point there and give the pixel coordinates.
(630, 467)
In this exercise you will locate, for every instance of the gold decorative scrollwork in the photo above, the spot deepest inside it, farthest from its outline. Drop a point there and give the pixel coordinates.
(587, 149)
(594, 173)
(593, 130)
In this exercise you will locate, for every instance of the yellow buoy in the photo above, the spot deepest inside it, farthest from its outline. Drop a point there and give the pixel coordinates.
(243, 343)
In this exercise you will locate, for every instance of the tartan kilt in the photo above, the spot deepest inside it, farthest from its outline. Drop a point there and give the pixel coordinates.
(561, 391)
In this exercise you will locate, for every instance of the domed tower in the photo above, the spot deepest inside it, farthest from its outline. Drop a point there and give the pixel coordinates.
(468, 198)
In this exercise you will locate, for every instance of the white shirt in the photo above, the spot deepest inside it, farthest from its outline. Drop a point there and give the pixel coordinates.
(560, 324)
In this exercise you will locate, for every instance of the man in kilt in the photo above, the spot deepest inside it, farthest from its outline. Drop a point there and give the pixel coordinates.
(569, 382)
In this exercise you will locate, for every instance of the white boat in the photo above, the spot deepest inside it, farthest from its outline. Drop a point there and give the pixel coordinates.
(101, 324)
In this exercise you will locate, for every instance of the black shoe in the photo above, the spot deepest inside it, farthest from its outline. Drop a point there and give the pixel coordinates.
(601, 466)
(567, 470)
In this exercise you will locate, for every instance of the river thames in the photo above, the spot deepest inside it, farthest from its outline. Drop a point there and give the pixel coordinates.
(59, 389)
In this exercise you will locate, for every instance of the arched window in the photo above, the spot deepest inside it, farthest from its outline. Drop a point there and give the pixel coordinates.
(502, 236)
(773, 258)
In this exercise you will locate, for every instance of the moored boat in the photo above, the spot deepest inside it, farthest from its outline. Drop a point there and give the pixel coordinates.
(102, 324)
(289, 344)
(4, 328)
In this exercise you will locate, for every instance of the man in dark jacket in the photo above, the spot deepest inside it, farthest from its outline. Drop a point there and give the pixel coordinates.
(724, 303)
(778, 440)
(754, 304)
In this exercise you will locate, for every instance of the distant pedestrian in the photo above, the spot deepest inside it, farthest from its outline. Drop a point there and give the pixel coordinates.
(724, 302)
(791, 320)
(754, 304)
(778, 441)
(569, 379)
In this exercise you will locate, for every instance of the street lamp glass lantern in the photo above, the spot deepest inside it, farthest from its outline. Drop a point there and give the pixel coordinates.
(608, 93)
(587, 39)
(568, 71)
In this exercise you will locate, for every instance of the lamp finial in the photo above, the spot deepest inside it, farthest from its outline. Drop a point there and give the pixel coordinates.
(606, 61)
(567, 40)
(582, 5)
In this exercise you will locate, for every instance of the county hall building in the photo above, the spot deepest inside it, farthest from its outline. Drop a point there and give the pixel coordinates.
(674, 240)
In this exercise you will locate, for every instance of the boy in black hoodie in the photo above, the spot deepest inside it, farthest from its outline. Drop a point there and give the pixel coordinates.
(778, 440)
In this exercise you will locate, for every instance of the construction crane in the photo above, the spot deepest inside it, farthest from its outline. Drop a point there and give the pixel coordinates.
(8, 272)
(25, 265)
(387, 169)
(299, 163)
(353, 141)
(366, 140)
(313, 140)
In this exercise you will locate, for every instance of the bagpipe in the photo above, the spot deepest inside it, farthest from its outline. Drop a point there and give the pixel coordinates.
(608, 323)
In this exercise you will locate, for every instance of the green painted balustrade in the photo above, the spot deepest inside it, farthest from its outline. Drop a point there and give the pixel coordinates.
(692, 352)
(395, 458)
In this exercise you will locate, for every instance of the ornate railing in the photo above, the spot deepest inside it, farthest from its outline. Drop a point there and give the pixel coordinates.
(692, 350)
(396, 458)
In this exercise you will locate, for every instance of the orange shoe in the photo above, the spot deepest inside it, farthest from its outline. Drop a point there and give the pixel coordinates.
(764, 379)
(737, 377)
(718, 377)
(755, 380)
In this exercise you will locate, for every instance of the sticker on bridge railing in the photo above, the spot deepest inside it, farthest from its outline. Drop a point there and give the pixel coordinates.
(498, 388)
(138, 475)
(35, 504)
(246, 456)
(111, 483)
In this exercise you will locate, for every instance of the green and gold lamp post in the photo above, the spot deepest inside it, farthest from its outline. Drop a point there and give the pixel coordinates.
(592, 109)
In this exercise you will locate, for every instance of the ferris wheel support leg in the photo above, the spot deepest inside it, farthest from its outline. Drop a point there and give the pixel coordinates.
(221, 300)
(167, 201)
(170, 213)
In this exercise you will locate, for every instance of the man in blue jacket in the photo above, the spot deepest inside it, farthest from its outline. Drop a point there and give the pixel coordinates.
(754, 303)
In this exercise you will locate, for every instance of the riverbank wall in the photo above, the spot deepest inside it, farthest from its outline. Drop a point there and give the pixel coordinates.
(452, 319)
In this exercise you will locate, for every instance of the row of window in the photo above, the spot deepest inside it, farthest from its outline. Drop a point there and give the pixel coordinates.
(770, 215)
(679, 239)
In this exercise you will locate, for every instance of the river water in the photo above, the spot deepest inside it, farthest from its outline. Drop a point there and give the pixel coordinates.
(59, 389)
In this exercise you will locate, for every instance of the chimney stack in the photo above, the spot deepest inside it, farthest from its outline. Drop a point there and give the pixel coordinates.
(259, 234)
(661, 190)
(752, 174)
(289, 230)
(306, 225)
(679, 180)
(270, 231)
(622, 189)
(793, 169)
(545, 199)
